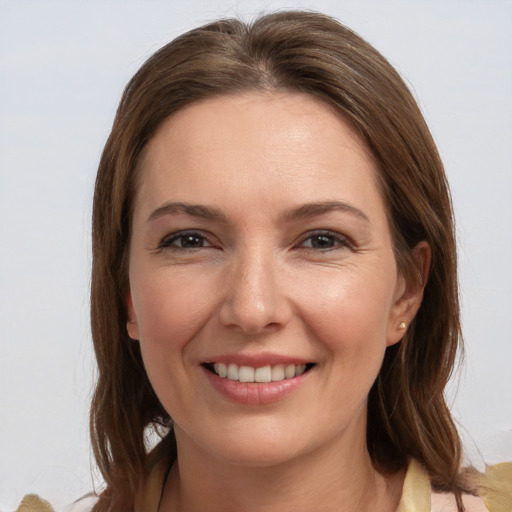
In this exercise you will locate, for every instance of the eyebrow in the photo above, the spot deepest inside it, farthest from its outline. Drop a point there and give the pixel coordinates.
(194, 210)
(313, 209)
(302, 212)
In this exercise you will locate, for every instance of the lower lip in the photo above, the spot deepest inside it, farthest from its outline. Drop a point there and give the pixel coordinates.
(254, 393)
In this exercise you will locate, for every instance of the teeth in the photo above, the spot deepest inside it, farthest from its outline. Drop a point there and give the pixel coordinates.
(221, 369)
(289, 371)
(246, 374)
(232, 372)
(263, 374)
(278, 372)
(267, 373)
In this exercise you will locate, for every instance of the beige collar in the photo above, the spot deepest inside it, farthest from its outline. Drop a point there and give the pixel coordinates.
(415, 495)
(416, 491)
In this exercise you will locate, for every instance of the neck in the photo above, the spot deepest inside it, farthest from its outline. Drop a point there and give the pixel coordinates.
(335, 478)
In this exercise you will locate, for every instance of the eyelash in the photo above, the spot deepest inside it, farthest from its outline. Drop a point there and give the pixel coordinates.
(338, 241)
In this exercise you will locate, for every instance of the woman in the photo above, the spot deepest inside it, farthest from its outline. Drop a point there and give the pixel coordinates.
(274, 281)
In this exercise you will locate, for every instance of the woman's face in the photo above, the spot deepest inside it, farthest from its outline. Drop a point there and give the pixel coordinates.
(261, 250)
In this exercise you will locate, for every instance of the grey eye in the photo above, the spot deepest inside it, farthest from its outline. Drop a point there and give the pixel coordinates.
(185, 240)
(324, 241)
(321, 241)
(190, 241)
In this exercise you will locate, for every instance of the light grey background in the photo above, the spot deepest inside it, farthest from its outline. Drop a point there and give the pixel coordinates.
(63, 65)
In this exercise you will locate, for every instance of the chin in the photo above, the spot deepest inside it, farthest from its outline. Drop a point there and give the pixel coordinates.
(249, 445)
(259, 455)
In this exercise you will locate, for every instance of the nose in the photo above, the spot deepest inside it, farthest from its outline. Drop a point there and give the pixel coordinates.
(255, 298)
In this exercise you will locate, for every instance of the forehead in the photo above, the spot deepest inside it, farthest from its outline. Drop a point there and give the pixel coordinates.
(272, 144)
(266, 115)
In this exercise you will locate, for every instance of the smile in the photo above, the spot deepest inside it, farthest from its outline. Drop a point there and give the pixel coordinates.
(268, 373)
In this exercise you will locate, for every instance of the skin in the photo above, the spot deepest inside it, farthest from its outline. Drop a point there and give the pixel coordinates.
(261, 280)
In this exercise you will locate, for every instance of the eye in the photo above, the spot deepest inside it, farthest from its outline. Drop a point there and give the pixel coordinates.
(185, 241)
(324, 240)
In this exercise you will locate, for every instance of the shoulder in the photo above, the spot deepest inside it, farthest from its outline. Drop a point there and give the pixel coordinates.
(445, 502)
(494, 488)
(417, 495)
(34, 503)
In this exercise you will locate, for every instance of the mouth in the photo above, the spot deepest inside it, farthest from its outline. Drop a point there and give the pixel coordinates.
(268, 373)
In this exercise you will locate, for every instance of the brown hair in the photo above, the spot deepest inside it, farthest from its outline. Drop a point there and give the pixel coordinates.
(314, 54)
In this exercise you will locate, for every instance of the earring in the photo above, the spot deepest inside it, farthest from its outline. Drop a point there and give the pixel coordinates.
(128, 327)
(401, 325)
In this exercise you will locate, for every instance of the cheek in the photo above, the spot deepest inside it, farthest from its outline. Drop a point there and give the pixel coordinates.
(171, 309)
(344, 312)
(348, 312)
(172, 306)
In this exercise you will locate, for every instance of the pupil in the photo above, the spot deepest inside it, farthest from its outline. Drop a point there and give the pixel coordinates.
(192, 241)
(321, 242)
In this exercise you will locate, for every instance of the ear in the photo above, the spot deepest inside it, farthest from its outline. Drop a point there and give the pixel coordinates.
(409, 294)
(131, 325)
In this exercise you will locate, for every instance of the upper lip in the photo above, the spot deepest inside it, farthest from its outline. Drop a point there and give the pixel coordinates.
(256, 360)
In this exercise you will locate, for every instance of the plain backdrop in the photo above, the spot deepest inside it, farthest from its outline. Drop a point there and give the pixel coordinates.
(63, 65)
